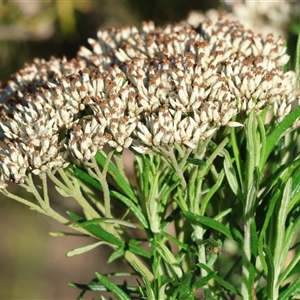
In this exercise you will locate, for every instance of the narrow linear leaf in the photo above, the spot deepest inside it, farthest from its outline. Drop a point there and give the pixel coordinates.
(226, 285)
(263, 140)
(203, 281)
(253, 151)
(275, 135)
(136, 210)
(97, 231)
(150, 292)
(254, 238)
(175, 241)
(271, 272)
(114, 172)
(84, 249)
(85, 177)
(134, 248)
(106, 220)
(292, 268)
(169, 258)
(112, 287)
(280, 246)
(62, 233)
(115, 255)
(196, 161)
(89, 287)
(237, 154)
(297, 59)
(296, 181)
(184, 288)
(209, 222)
(292, 289)
(230, 173)
(267, 217)
(211, 192)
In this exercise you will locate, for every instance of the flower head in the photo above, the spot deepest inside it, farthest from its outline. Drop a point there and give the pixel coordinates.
(144, 89)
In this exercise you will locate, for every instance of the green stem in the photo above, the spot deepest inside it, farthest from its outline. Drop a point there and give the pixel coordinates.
(34, 191)
(120, 167)
(43, 177)
(66, 179)
(101, 177)
(59, 184)
(32, 206)
(169, 153)
(246, 257)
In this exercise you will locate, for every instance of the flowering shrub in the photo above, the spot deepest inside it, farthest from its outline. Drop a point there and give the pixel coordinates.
(202, 109)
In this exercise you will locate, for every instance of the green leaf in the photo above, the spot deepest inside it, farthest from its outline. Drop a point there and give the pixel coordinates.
(112, 287)
(97, 231)
(107, 220)
(292, 289)
(292, 268)
(117, 176)
(62, 233)
(184, 289)
(275, 135)
(89, 287)
(203, 281)
(280, 245)
(85, 177)
(253, 152)
(236, 153)
(238, 237)
(150, 292)
(271, 272)
(175, 241)
(230, 173)
(297, 59)
(136, 210)
(226, 285)
(84, 249)
(263, 140)
(254, 238)
(268, 216)
(134, 248)
(211, 192)
(296, 181)
(116, 254)
(209, 222)
(196, 162)
(169, 258)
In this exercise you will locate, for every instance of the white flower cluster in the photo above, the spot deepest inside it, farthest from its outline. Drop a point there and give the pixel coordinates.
(261, 16)
(266, 16)
(140, 89)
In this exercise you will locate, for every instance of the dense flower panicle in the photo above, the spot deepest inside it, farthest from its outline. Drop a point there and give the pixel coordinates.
(150, 89)
(86, 140)
(32, 76)
(211, 41)
(13, 164)
(245, 42)
(265, 16)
